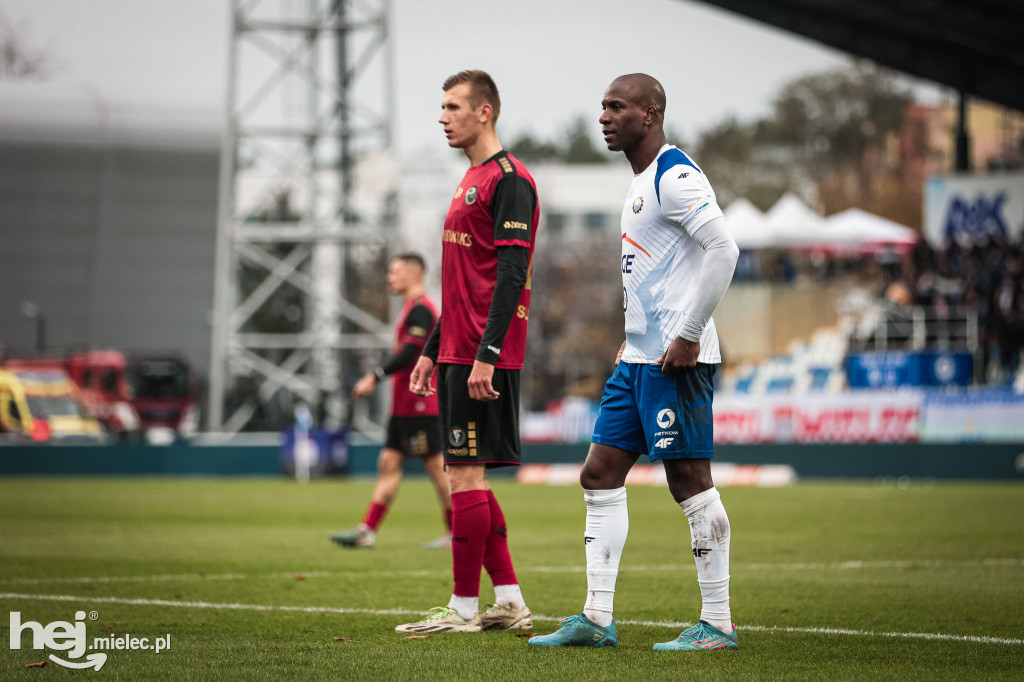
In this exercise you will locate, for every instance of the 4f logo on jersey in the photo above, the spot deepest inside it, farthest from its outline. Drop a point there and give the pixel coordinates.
(638, 204)
(666, 418)
(701, 551)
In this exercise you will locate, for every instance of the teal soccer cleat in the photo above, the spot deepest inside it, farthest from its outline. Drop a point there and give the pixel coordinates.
(701, 637)
(579, 631)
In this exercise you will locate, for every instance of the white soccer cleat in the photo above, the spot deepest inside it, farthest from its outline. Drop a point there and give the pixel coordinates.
(360, 536)
(443, 542)
(442, 619)
(498, 617)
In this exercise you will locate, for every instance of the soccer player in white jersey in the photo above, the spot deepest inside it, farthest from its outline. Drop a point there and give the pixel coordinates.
(677, 262)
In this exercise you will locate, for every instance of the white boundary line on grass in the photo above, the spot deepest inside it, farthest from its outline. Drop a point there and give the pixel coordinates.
(158, 578)
(387, 612)
(663, 568)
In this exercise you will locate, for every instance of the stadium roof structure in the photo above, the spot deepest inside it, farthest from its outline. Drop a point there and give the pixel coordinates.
(976, 47)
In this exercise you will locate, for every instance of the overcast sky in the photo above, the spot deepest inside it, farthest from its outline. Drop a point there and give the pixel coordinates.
(551, 59)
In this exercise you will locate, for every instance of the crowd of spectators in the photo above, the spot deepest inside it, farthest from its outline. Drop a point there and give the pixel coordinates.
(984, 276)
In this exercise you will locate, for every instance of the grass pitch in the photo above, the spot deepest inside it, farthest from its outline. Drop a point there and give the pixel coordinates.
(829, 581)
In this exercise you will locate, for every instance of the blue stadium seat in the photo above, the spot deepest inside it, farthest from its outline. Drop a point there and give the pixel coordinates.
(782, 384)
(743, 385)
(819, 377)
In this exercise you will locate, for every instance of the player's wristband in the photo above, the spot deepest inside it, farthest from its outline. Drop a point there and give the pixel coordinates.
(488, 354)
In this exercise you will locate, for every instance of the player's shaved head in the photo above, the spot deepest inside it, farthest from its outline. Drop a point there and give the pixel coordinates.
(633, 117)
(645, 91)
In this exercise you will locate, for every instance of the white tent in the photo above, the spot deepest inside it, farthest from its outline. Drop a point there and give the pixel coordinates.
(747, 225)
(794, 223)
(791, 223)
(866, 231)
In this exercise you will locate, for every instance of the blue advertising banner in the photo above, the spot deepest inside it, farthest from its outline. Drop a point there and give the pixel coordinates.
(892, 369)
(968, 208)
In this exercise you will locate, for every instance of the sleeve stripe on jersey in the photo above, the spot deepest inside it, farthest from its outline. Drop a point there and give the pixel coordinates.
(670, 159)
(511, 242)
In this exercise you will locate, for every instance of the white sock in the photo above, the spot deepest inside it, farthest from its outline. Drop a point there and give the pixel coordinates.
(509, 596)
(605, 536)
(465, 606)
(709, 536)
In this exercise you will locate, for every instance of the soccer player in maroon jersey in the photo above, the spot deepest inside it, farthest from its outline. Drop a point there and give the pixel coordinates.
(477, 349)
(414, 429)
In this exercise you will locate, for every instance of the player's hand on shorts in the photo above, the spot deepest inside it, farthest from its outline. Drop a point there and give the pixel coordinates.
(419, 380)
(680, 356)
(479, 383)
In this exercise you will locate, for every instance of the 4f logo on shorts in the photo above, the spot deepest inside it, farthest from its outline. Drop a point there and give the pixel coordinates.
(666, 418)
(457, 436)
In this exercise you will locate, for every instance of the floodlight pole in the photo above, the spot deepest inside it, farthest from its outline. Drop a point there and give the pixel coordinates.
(291, 312)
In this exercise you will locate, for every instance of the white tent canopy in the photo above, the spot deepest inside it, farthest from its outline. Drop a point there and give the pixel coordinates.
(748, 225)
(790, 223)
(794, 223)
(859, 228)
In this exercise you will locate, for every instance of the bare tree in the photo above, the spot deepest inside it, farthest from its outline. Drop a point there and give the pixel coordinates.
(19, 60)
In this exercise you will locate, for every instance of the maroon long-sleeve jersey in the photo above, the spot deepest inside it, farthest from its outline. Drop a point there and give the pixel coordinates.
(495, 205)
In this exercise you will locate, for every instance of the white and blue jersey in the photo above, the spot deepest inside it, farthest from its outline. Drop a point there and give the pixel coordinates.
(667, 202)
(644, 410)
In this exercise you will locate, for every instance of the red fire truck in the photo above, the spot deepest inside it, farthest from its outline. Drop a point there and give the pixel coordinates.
(165, 394)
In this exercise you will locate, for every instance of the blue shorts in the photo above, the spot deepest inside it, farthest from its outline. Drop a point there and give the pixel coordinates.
(654, 414)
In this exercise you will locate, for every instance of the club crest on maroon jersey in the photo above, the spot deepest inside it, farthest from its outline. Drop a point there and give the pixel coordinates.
(471, 195)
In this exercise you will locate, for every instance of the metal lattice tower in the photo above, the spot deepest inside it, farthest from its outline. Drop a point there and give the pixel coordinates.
(307, 207)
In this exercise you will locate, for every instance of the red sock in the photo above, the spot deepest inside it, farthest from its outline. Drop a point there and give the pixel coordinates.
(471, 523)
(448, 519)
(497, 560)
(374, 515)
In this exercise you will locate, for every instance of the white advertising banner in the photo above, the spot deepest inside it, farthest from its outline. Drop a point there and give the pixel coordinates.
(857, 417)
(981, 416)
(965, 207)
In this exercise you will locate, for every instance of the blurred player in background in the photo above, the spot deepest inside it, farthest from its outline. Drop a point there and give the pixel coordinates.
(478, 349)
(677, 262)
(414, 429)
